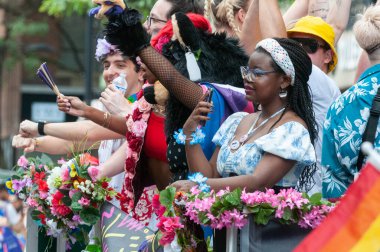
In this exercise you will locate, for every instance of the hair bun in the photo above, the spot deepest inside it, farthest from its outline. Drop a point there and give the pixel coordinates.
(367, 28)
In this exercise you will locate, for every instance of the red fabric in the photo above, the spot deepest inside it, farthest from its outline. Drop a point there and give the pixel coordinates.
(166, 33)
(155, 140)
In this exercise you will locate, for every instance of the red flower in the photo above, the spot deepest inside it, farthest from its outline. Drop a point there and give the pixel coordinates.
(87, 159)
(43, 186)
(58, 207)
(42, 217)
(137, 115)
(158, 208)
(104, 184)
(130, 163)
(135, 143)
(38, 176)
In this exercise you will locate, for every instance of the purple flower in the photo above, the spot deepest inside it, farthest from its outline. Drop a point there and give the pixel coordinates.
(104, 48)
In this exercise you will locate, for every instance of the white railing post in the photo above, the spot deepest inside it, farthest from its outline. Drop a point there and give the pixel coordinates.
(61, 243)
(32, 233)
(231, 239)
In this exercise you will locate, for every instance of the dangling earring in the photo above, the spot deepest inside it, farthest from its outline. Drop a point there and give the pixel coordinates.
(283, 93)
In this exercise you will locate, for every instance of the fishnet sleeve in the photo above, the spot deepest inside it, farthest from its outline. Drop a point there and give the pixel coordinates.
(186, 91)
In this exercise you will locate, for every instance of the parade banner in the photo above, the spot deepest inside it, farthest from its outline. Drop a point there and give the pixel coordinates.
(354, 225)
(120, 232)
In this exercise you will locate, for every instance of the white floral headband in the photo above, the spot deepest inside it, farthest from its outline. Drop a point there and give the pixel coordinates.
(280, 56)
(104, 48)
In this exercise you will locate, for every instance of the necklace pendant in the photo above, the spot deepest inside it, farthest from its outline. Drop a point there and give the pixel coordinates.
(234, 145)
(243, 138)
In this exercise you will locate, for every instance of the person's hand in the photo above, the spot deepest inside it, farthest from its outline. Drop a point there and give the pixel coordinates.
(183, 185)
(199, 114)
(28, 129)
(71, 105)
(28, 144)
(161, 94)
(115, 102)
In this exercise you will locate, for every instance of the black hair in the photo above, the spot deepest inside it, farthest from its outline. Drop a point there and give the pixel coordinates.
(299, 98)
(185, 6)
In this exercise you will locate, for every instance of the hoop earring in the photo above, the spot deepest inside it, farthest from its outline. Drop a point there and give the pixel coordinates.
(283, 93)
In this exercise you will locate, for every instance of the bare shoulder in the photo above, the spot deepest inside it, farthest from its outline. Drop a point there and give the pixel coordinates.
(291, 116)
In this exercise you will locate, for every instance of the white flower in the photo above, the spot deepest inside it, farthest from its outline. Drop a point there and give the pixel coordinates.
(54, 180)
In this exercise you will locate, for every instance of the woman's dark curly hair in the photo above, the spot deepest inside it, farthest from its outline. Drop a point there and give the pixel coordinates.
(299, 97)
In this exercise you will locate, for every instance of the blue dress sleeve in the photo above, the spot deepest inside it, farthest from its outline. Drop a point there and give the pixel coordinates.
(289, 141)
(228, 128)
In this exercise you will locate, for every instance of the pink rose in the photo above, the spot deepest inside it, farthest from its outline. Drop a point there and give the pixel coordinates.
(131, 154)
(139, 128)
(22, 161)
(145, 116)
(129, 123)
(143, 105)
(84, 202)
(93, 171)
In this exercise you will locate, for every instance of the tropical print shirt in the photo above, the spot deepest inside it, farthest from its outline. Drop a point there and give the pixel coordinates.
(345, 123)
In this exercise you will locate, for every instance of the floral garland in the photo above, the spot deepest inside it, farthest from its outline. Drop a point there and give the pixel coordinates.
(226, 209)
(137, 123)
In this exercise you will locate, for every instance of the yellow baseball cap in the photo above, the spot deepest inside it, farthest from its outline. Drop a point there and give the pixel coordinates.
(317, 27)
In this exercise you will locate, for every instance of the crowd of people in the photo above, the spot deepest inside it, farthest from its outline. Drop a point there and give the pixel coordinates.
(232, 89)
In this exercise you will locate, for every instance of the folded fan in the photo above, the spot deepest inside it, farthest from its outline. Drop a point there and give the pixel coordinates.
(44, 74)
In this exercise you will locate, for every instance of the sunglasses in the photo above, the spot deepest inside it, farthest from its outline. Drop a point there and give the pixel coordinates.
(149, 20)
(250, 74)
(310, 45)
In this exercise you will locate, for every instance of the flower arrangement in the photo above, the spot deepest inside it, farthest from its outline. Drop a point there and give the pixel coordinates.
(176, 231)
(64, 199)
(228, 208)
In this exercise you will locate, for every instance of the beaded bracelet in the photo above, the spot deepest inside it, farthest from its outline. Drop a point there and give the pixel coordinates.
(200, 180)
(197, 137)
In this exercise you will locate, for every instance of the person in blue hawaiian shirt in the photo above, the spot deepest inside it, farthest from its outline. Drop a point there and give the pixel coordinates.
(347, 117)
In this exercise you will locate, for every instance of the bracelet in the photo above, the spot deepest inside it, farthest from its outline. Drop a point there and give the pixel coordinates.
(200, 180)
(40, 127)
(36, 143)
(197, 137)
(106, 119)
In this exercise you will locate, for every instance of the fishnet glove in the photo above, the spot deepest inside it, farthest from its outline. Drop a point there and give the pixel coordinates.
(182, 88)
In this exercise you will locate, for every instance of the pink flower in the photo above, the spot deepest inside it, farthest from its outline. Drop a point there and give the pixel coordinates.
(31, 202)
(84, 202)
(168, 227)
(131, 154)
(129, 123)
(158, 208)
(61, 161)
(143, 105)
(145, 116)
(139, 128)
(22, 161)
(65, 173)
(93, 171)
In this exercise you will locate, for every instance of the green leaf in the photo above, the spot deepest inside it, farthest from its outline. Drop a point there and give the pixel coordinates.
(76, 196)
(76, 206)
(90, 215)
(287, 214)
(66, 200)
(167, 197)
(315, 199)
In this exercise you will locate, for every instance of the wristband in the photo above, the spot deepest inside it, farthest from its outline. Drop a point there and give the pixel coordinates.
(40, 127)
(200, 180)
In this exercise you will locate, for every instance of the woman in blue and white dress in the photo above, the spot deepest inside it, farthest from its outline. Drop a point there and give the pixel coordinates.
(271, 148)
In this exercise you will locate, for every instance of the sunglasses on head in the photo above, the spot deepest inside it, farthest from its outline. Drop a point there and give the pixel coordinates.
(310, 45)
